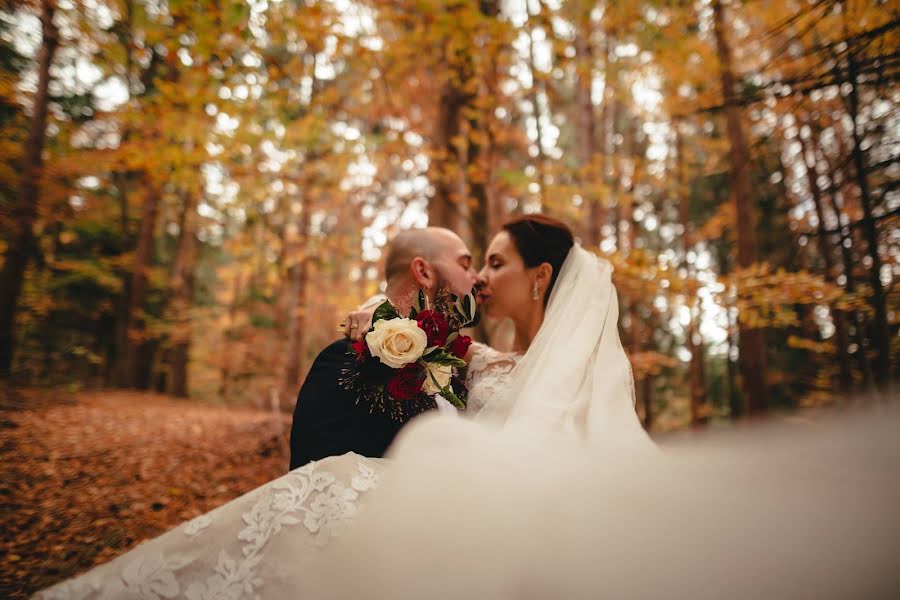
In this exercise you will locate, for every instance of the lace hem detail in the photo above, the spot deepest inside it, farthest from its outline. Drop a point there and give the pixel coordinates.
(171, 566)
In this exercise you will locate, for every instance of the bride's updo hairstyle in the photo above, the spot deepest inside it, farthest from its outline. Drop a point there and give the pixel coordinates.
(541, 239)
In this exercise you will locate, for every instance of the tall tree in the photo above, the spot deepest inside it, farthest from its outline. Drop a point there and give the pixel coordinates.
(696, 377)
(21, 239)
(480, 141)
(752, 357)
(880, 331)
(182, 293)
(825, 249)
(133, 366)
(537, 90)
(298, 276)
(585, 119)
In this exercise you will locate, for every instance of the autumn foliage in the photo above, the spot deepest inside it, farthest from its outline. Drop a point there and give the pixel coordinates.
(194, 191)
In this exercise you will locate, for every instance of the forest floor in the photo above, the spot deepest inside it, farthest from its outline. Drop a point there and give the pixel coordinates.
(84, 477)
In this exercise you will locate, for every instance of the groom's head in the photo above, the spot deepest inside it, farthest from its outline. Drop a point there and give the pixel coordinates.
(432, 259)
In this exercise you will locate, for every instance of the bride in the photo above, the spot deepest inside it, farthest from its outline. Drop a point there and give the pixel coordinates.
(562, 302)
(550, 488)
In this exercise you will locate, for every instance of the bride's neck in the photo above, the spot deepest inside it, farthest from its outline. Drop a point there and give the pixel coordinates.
(527, 328)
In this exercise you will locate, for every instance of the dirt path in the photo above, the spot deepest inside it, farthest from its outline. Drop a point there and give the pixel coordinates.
(84, 477)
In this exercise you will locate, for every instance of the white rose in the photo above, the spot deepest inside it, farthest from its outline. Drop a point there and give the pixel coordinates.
(397, 342)
(441, 373)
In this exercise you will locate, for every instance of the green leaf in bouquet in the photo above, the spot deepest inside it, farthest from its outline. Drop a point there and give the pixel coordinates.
(458, 310)
(429, 350)
(469, 307)
(452, 337)
(443, 357)
(420, 302)
(450, 397)
(384, 311)
(465, 308)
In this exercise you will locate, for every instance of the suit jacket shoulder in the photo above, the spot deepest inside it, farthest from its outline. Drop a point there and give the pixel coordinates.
(327, 419)
(328, 365)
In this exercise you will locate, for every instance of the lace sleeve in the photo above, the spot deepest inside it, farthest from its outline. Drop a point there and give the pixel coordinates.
(487, 375)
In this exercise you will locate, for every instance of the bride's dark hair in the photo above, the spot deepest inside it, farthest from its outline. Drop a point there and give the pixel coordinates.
(541, 239)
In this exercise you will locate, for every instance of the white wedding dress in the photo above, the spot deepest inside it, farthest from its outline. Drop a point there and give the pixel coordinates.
(548, 487)
(262, 545)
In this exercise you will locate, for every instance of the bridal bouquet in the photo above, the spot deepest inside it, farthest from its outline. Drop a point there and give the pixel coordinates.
(404, 362)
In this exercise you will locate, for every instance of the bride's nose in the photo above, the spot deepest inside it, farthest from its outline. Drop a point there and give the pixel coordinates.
(480, 278)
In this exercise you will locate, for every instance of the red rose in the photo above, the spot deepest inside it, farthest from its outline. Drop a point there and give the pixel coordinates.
(361, 349)
(406, 382)
(435, 327)
(460, 346)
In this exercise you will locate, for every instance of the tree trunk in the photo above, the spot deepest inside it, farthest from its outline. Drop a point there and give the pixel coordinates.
(752, 358)
(121, 181)
(585, 135)
(537, 84)
(880, 328)
(24, 212)
(228, 341)
(696, 371)
(182, 298)
(478, 188)
(132, 367)
(298, 275)
(845, 376)
(444, 207)
(583, 104)
(642, 337)
(297, 278)
(609, 118)
(733, 398)
(477, 164)
(856, 318)
(446, 162)
(120, 334)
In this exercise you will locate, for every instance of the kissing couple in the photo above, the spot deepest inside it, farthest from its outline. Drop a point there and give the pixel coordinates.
(546, 485)
(566, 379)
(522, 266)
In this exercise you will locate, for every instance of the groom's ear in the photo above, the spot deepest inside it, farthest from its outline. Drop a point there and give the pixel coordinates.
(422, 273)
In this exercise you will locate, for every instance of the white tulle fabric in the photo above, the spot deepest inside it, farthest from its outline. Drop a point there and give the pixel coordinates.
(799, 510)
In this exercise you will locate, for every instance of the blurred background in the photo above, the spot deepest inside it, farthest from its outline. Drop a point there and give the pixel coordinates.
(194, 192)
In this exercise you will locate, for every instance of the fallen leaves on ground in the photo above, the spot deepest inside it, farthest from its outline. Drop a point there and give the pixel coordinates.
(87, 476)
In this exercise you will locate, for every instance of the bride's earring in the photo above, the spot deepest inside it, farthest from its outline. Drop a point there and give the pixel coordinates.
(534, 292)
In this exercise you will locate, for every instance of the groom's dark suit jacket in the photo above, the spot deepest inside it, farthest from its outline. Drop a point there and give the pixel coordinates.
(327, 421)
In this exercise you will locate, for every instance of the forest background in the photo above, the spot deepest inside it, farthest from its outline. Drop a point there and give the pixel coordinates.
(194, 192)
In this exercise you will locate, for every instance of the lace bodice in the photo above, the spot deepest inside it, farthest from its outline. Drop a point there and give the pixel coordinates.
(488, 375)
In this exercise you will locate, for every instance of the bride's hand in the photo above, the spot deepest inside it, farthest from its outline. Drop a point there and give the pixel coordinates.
(359, 320)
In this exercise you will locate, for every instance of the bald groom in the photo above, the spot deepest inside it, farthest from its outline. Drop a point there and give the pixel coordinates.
(327, 419)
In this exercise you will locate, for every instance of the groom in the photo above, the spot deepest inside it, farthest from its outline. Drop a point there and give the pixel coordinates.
(327, 420)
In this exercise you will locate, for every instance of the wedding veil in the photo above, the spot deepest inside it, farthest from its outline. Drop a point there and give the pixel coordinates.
(575, 377)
